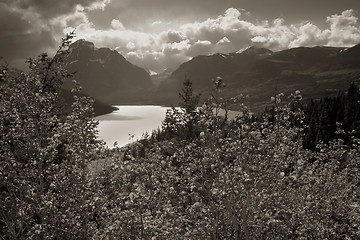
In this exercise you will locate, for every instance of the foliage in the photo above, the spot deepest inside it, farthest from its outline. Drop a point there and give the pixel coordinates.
(324, 116)
(45, 191)
(183, 123)
(202, 176)
(237, 179)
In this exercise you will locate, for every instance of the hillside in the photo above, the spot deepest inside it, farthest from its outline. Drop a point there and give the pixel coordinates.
(67, 96)
(260, 73)
(100, 107)
(105, 74)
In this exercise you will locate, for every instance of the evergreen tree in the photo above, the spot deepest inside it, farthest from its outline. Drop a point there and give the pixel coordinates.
(323, 117)
(189, 102)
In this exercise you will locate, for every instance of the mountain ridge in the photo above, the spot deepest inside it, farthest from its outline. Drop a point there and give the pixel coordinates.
(257, 72)
(260, 73)
(105, 74)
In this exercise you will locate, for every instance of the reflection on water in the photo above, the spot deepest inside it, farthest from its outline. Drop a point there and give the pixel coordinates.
(129, 121)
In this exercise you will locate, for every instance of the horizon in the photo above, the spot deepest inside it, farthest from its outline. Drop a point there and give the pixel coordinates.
(157, 35)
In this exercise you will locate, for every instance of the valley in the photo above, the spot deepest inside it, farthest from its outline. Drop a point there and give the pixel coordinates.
(255, 73)
(186, 120)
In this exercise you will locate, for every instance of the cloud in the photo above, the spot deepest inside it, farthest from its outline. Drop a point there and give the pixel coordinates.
(309, 35)
(48, 9)
(344, 29)
(225, 33)
(214, 29)
(224, 40)
(156, 43)
(176, 48)
(259, 39)
(117, 25)
(174, 36)
(200, 47)
(20, 38)
(115, 37)
(156, 23)
(130, 46)
(30, 27)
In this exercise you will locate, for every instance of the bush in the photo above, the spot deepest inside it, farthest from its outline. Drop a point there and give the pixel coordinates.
(237, 179)
(203, 176)
(45, 189)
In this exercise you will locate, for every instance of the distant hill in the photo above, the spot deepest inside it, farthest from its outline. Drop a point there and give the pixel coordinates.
(347, 58)
(261, 73)
(106, 75)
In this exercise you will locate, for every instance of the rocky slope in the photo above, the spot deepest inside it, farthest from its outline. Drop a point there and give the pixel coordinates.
(106, 75)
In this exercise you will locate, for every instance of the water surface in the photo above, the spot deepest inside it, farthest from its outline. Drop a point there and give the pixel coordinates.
(129, 123)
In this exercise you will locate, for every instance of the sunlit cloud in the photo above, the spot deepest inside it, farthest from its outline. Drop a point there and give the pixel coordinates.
(200, 47)
(228, 32)
(117, 25)
(344, 29)
(309, 35)
(160, 43)
(173, 36)
(224, 40)
(130, 46)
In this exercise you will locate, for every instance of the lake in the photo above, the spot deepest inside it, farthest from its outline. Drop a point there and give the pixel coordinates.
(128, 121)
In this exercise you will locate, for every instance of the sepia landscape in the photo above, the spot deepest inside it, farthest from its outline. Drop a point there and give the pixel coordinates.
(165, 119)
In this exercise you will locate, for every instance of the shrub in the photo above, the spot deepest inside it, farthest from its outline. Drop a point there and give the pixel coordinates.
(238, 179)
(45, 189)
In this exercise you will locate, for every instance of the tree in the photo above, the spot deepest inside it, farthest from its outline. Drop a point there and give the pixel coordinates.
(44, 154)
(184, 121)
(323, 117)
(188, 100)
(246, 180)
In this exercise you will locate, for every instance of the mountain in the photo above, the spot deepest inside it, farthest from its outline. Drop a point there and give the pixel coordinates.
(255, 72)
(100, 107)
(261, 73)
(160, 77)
(210, 67)
(66, 97)
(106, 75)
(347, 58)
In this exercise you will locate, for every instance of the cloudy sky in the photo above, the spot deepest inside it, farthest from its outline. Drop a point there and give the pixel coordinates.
(158, 34)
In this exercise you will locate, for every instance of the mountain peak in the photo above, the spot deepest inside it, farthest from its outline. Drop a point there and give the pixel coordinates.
(105, 74)
(255, 51)
(82, 43)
